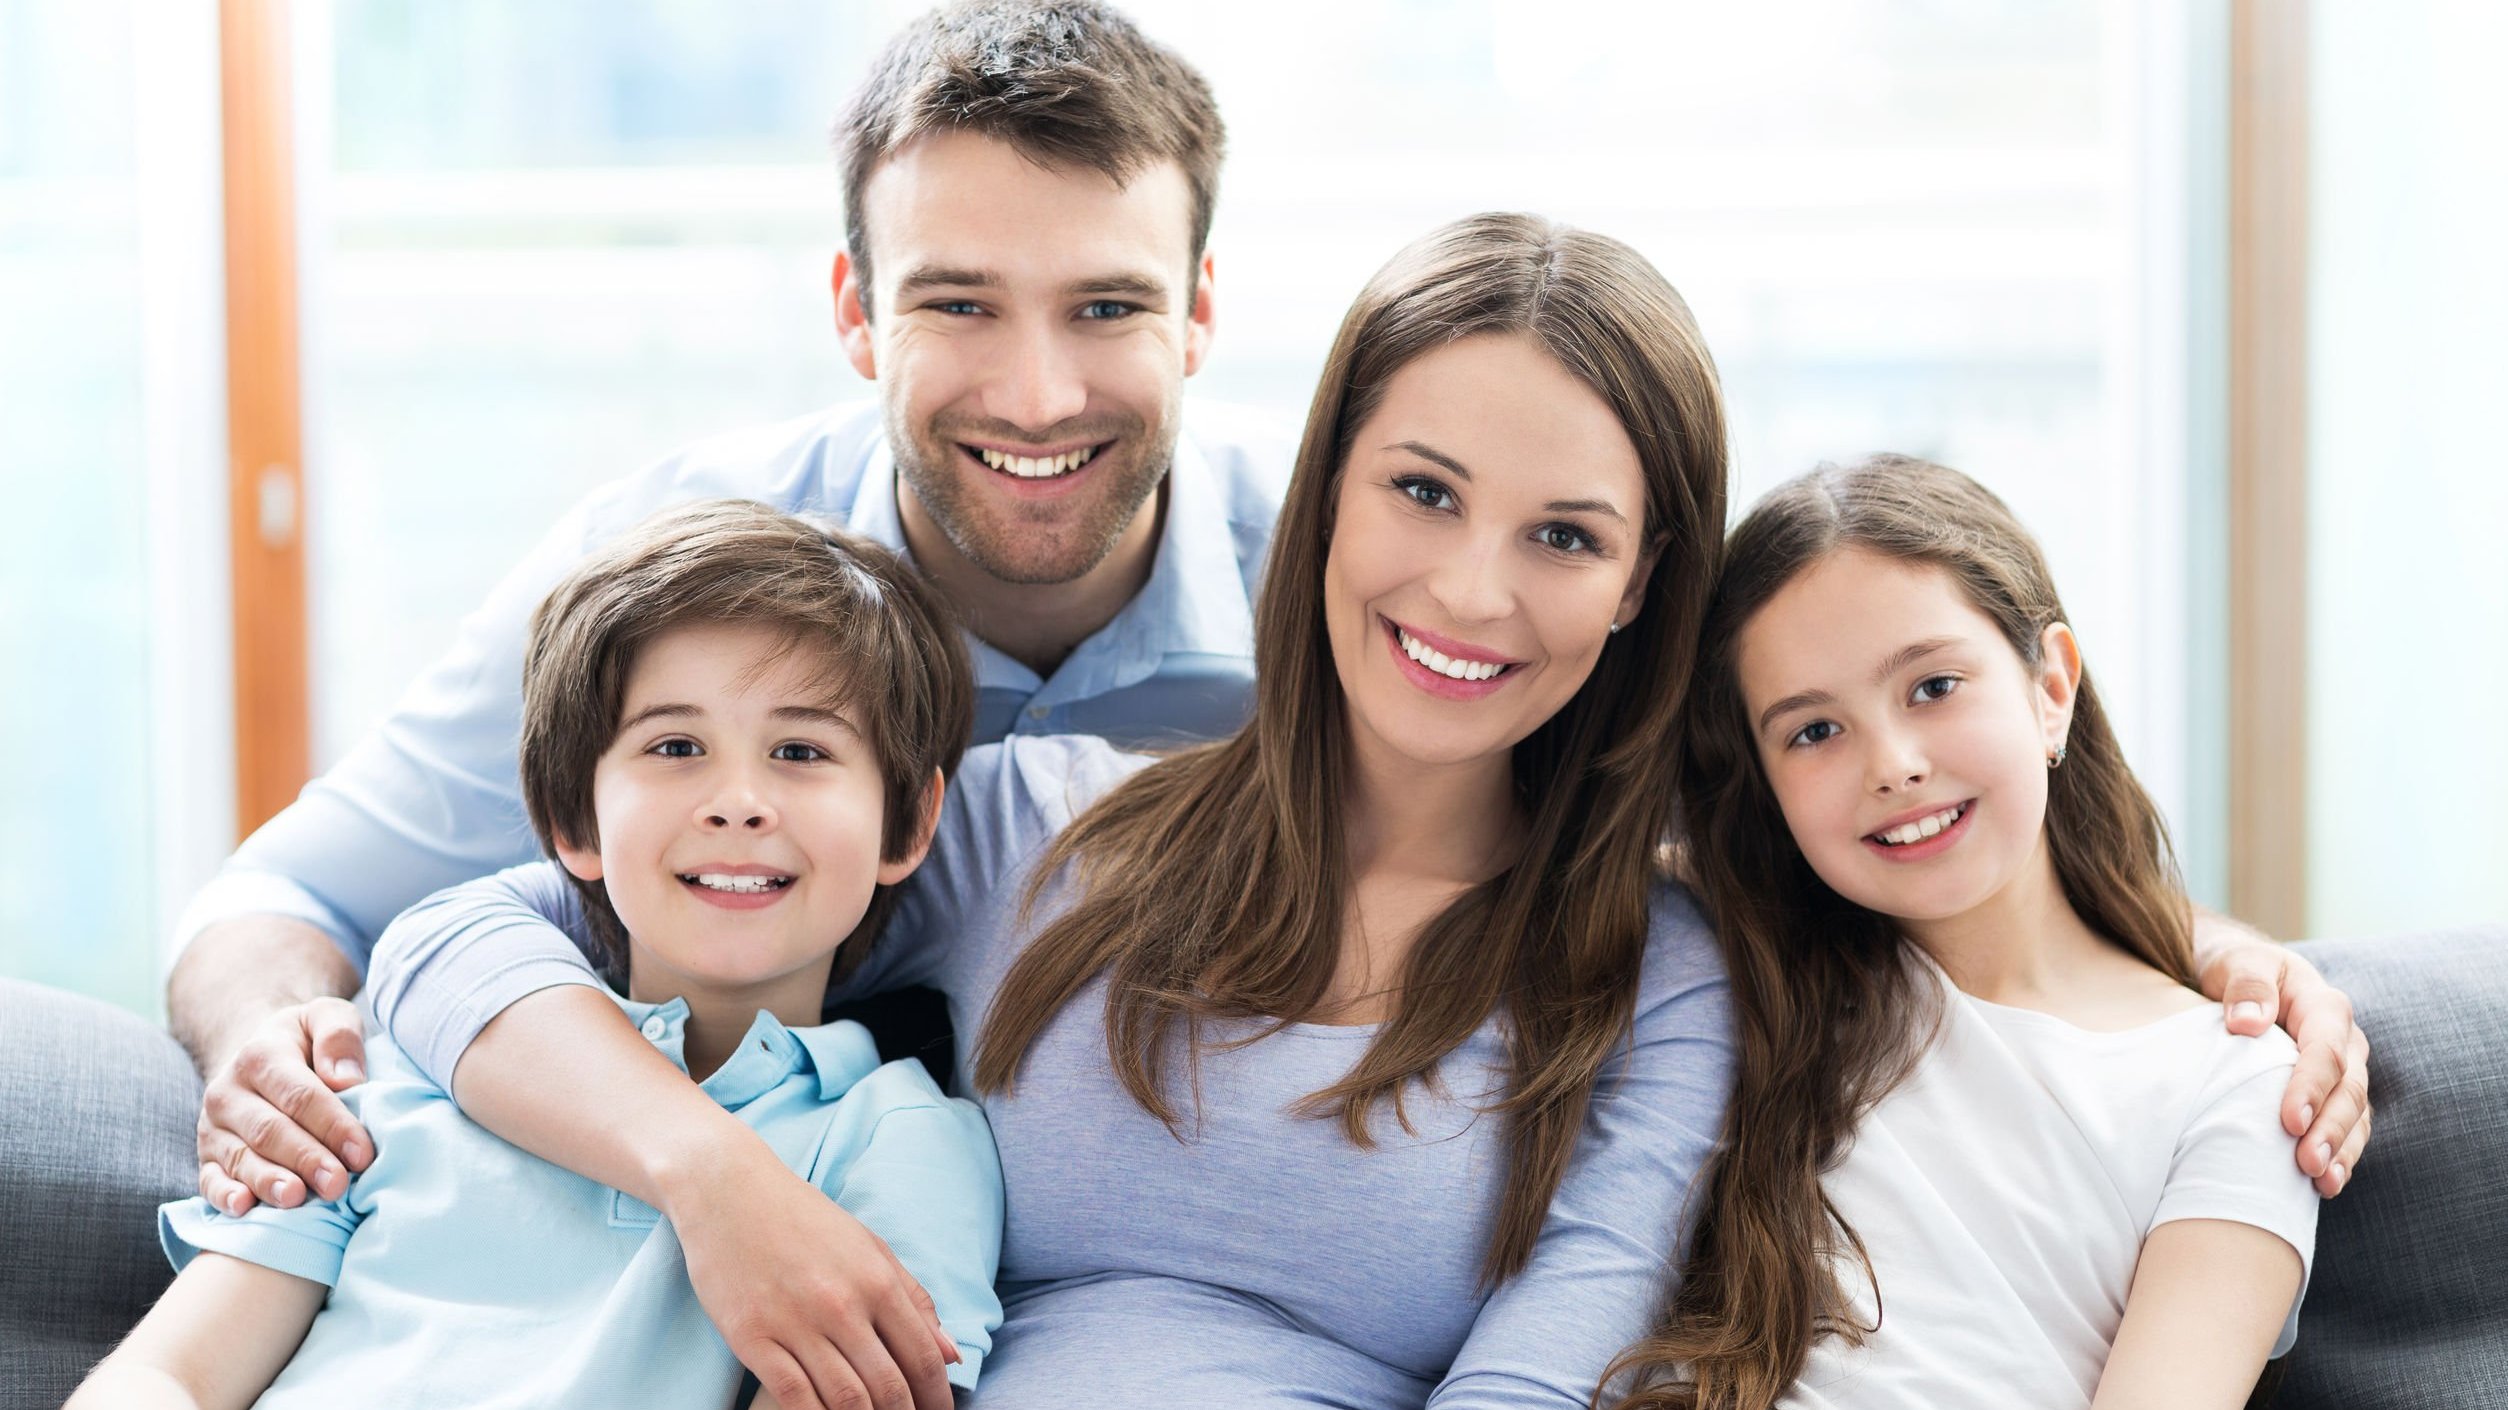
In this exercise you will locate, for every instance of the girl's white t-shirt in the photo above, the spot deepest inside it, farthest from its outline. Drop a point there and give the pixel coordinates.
(2003, 1192)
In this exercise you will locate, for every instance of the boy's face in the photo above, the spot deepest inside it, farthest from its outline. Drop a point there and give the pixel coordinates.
(739, 818)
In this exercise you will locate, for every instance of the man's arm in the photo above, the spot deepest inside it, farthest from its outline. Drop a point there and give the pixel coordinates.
(248, 998)
(2259, 981)
(218, 1338)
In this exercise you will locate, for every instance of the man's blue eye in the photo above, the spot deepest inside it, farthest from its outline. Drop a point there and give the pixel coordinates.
(1107, 310)
(1814, 733)
(1936, 687)
(1424, 491)
(956, 306)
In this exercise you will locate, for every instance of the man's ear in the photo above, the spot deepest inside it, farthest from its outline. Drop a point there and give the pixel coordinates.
(891, 873)
(2059, 682)
(1202, 320)
(582, 863)
(853, 320)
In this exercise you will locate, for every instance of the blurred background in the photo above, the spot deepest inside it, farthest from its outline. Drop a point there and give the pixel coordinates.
(2208, 289)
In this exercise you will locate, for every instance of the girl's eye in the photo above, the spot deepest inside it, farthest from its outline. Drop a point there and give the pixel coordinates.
(796, 752)
(1566, 538)
(1933, 688)
(675, 749)
(1425, 491)
(1818, 731)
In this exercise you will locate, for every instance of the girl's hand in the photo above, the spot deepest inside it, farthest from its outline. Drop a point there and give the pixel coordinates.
(2327, 1106)
(810, 1300)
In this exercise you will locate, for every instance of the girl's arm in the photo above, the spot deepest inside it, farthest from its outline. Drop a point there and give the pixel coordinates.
(219, 1337)
(2208, 1298)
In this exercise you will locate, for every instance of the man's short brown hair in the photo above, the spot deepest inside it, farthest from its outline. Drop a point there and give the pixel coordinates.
(1068, 83)
(882, 642)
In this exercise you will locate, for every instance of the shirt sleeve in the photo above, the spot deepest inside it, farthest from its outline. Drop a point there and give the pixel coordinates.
(463, 955)
(928, 1181)
(2233, 1160)
(1603, 1263)
(307, 1242)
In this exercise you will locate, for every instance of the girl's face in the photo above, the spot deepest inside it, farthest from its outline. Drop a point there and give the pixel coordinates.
(1905, 739)
(1487, 531)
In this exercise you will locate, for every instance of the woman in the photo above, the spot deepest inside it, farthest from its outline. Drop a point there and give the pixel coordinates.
(1416, 897)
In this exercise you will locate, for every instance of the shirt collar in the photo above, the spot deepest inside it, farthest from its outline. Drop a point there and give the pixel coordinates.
(840, 1053)
(874, 512)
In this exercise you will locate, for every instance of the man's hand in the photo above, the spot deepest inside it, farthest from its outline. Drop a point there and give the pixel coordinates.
(2327, 1105)
(270, 1129)
(810, 1300)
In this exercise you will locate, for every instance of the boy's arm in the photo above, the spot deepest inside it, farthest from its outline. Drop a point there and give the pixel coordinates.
(2208, 1298)
(218, 1338)
(2260, 983)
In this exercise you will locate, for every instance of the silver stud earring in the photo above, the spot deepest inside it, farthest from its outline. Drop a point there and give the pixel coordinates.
(2056, 759)
(1615, 629)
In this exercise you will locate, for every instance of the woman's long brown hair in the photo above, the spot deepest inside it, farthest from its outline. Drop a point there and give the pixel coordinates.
(1832, 1015)
(1212, 885)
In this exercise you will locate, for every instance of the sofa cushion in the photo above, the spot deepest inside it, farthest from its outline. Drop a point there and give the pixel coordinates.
(98, 1133)
(2408, 1306)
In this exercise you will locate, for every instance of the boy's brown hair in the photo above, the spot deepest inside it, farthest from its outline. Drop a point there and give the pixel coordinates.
(1068, 83)
(884, 643)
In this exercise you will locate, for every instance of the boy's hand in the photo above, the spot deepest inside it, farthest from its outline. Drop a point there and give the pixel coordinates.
(270, 1129)
(809, 1299)
(2327, 1105)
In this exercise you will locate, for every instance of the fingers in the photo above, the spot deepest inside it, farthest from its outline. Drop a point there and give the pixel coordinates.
(931, 1317)
(2346, 1160)
(782, 1381)
(919, 1356)
(223, 1191)
(2252, 992)
(881, 1382)
(2312, 1083)
(337, 1040)
(2329, 1138)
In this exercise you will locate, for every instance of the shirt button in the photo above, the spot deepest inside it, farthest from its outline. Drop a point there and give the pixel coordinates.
(1036, 712)
(654, 1028)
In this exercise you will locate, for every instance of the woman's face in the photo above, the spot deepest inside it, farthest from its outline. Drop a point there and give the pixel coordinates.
(1487, 532)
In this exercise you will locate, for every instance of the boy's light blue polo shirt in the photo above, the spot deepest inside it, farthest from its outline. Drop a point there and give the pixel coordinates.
(431, 798)
(464, 1271)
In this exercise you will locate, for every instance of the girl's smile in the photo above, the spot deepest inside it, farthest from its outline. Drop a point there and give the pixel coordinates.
(1921, 834)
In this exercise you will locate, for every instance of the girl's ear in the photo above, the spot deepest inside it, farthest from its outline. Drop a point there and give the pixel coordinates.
(2059, 682)
(890, 873)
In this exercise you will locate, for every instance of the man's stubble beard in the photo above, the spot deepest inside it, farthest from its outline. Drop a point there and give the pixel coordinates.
(1008, 547)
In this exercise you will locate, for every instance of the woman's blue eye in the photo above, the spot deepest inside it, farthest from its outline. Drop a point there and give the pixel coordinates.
(1567, 538)
(1816, 732)
(1935, 687)
(797, 753)
(675, 749)
(1424, 491)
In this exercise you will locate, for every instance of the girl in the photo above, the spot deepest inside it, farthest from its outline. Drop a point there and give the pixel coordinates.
(1988, 1146)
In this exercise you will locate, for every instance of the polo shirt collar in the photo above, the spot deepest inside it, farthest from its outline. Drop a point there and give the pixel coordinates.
(839, 1053)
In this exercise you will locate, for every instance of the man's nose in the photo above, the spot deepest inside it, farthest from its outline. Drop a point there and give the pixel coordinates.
(1039, 383)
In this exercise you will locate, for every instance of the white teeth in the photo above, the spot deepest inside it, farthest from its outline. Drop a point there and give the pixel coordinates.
(1921, 828)
(743, 885)
(1443, 664)
(1028, 467)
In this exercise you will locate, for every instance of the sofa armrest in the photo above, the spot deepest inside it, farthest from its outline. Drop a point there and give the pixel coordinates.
(98, 1131)
(2407, 1307)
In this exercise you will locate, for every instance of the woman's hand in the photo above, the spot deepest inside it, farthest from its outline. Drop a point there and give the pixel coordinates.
(2327, 1105)
(270, 1129)
(810, 1300)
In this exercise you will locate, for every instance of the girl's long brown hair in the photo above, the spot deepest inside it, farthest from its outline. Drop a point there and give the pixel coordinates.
(1832, 1015)
(1212, 884)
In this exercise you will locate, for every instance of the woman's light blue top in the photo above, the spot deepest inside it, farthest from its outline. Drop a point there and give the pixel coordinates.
(465, 1271)
(1262, 1259)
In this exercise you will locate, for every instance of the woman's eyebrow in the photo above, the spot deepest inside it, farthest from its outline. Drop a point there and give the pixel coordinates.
(1430, 453)
(1557, 506)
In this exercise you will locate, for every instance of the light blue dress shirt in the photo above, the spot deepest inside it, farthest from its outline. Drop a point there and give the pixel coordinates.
(465, 1271)
(1256, 1259)
(432, 797)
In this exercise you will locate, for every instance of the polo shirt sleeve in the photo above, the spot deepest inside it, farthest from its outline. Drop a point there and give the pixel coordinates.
(1601, 1266)
(463, 955)
(307, 1242)
(918, 1169)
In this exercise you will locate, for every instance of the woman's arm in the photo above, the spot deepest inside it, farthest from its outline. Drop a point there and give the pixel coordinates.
(218, 1338)
(2208, 1298)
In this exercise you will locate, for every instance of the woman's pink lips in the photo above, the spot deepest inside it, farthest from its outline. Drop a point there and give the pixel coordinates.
(1439, 685)
(1931, 846)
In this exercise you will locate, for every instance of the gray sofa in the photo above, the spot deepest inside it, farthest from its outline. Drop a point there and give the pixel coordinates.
(2409, 1307)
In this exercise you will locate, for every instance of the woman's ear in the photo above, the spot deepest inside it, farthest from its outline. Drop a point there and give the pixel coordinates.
(2059, 683)
(1634, 596)
(890, 873)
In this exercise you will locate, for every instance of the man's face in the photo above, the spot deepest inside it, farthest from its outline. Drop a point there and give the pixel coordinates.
(1031, 332)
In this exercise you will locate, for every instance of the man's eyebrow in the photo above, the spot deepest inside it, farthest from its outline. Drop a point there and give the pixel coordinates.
(669, 710)
(815, 715)
(1431, 453)
(946, 276)
(1144, 286)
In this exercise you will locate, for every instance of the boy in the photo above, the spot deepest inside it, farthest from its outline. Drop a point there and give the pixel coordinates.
(735, 728)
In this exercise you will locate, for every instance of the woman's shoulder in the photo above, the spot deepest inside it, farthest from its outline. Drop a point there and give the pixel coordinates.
(1680, 983)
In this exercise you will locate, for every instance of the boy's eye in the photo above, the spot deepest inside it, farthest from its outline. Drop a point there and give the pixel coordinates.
(1426, 491)
(796, 752)
(1566, 538)
(1816, 732)
(675, 749)
(1934, 688)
